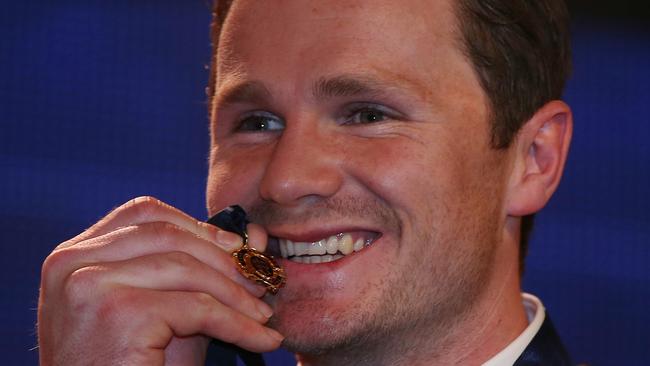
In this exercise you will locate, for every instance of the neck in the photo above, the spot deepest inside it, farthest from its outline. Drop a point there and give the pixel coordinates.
(499, 319)
(489, 325)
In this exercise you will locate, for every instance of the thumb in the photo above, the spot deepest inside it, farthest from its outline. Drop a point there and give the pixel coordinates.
(257, 237)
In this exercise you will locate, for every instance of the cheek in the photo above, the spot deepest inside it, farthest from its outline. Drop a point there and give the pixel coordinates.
(408, 175)
(233, 179)
(432, 184)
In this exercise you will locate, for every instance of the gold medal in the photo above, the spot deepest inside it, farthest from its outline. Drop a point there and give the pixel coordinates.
(259, 267)
(253, 264)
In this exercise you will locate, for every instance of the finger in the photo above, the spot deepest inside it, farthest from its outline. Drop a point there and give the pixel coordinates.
(214, 319)
(186, 314)
(141, 240)
(143, 210)
(257, 237)
(229, 241)
(173, 271)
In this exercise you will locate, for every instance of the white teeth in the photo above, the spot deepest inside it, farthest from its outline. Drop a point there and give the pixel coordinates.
(301, 248)
(323, 251)
(315, 259)
(332, 245)
(326, 258)
(318, 248)
(310, 259)
(358, 245)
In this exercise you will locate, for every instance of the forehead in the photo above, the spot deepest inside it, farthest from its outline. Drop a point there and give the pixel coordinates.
(284, 36)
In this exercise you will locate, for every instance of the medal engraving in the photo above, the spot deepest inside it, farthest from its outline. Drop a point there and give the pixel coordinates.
(259, 267)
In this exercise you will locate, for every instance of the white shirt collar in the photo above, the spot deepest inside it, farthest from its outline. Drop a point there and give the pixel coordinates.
(536, 314)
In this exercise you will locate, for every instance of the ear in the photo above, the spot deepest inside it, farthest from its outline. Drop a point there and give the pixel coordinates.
(540, 152)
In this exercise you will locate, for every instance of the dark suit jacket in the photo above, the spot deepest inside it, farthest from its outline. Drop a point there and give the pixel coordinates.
(545, 349)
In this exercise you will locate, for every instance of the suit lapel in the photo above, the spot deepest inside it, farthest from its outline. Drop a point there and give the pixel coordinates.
(545, 349)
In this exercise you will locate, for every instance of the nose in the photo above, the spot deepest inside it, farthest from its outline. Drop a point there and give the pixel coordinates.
(305, 165)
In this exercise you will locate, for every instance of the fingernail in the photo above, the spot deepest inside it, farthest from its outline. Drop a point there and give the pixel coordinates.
(265, 309)
(275, 335)
(231, 240)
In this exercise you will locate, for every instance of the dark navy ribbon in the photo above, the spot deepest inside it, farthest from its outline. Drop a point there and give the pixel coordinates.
(232, 218)
(220, 353)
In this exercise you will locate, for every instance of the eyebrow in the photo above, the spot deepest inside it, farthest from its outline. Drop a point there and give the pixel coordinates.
(347, 85)
(247, 92)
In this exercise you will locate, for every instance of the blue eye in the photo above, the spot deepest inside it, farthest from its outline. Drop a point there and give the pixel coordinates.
(260, 121)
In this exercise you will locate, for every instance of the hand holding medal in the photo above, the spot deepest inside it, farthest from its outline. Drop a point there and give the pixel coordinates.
(253, 264)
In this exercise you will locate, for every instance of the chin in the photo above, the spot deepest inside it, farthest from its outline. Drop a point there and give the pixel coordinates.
(316, 325)
(315, 335)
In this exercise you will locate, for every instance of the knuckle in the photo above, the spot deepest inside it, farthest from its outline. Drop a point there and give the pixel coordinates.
(181, 260)
(145, 207)
(213, 315)
(145, 200)
(204, 302)
(81, 283)
(163, 227)
(66, 244)
(164, 233)
(53, 265)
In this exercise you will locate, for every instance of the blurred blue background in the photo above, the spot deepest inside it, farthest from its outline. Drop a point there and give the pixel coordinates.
(102, 101)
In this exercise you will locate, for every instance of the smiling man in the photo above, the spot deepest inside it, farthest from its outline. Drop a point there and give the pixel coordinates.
(390, 153)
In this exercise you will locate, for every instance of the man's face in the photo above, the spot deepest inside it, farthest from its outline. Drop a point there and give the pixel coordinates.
(361, 118)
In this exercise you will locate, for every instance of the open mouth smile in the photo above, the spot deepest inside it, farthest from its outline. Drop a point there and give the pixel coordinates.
(328, 249)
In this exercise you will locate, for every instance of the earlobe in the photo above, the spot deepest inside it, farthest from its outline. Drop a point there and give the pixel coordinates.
(540, 152)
